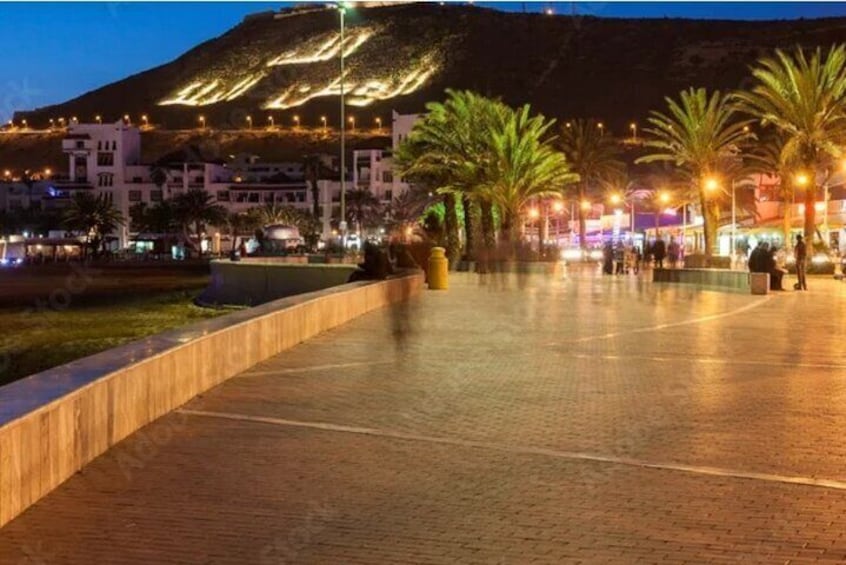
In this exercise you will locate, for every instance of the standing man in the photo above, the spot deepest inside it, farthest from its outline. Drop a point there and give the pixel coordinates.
(659, 251)
(800, 253)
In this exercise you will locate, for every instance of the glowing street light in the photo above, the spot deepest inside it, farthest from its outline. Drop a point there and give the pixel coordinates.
(585, 205)
(145, 120)
(202, 120)
(664, 197)
(601, 127)
(249, 122)
(711, 184)
(378, 123)
(568, 125)
(97, 119)
(270, 119)
(296, 121)
(51, 123)
(534, 213)
(549, 11)
(126, 119)
(74, 120)
(323, 122)
(24, 123)
(558, 206)
(47, 172)
(351, 120)
(633, 128)
(7, 173)
(801, 179)
(615, 198)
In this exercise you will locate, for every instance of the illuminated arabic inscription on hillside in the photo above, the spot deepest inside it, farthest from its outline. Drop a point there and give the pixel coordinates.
(361, 93)
(323, 51)
(203, 93)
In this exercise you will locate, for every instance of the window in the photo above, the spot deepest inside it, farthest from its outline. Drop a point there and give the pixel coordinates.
(99, 146)
(105, 180)
(114, 145)
(388, 176)
(80, 145)
(223, 196)
(105, 159)
(268, 197)
(301, 197)
(389, 194)
(198, 180)
(137, 179)
(135, 196)
(155, 195)
(254, 197)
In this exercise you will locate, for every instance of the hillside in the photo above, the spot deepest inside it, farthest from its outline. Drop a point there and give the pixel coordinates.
(399, 57)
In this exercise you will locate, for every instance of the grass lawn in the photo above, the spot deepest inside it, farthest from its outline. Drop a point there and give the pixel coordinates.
(112, 306)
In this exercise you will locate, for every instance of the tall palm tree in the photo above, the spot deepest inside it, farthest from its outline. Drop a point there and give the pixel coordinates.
(94, 216)
(594, 157)
(197, 208)
(701, 134)
(523, 165)
(804, 98)
(447, 151)
(273, 213)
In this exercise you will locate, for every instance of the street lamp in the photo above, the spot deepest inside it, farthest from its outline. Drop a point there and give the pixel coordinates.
(270, 119)
(378, 123)
(24, 123)
(51, 123)
(202, 120)
(323, 122)
(342, 11)
(352, 122)
(126, 119)
(633, 127)
(74, 120)
(249, 122)
(97, 119)
(296, 121)
(601, 127)
(145, 120)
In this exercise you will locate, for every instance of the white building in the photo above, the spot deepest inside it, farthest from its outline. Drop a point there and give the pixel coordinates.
(106, 159)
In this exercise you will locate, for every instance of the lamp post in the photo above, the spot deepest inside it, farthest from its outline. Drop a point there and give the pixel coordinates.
(270, 120)
(97, 118)
(249, 122)
(145, 120)
(296, 121)
(323, 122)
(633, 127)
(378, 123)
(343, 222)
(733, 219)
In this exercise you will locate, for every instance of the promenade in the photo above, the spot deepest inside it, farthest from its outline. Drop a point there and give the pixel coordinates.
(582, 419)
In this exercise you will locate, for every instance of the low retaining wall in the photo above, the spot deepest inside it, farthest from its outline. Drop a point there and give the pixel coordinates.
(55, 422)
(718, 278)
(256, 281)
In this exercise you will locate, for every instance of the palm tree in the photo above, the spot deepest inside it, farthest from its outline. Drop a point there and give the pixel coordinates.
(272, 213)
(95, 216)
(804, 98)
(523, 165)
(701, 134)
(447, 152)
(594, 157)
(767, 158)
(362, 208)
(196, 208)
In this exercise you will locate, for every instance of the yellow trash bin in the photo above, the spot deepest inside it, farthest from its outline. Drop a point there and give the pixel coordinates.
(438, 269)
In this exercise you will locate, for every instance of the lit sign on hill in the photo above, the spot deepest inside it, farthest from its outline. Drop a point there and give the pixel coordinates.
(362, 87)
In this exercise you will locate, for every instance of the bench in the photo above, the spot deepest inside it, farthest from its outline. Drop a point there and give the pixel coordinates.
(741, 281)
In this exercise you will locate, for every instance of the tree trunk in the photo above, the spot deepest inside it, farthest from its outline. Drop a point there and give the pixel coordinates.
(453, 239)
(582, 223)
(711, 218)
(488, 234)
(469, 229)
(810, 216)
(544, 227)
(787, 223)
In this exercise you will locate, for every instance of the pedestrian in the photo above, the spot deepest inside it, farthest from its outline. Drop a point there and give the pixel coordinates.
(659, 251)
(673, 252)
(607, 259)
(619, 258)
(800, 254)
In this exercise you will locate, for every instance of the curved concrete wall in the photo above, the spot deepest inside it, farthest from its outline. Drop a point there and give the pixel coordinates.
(252, 282)
(53, 423)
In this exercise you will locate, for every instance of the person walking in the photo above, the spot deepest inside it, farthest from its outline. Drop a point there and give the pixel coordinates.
(659, 251)
(800, 253)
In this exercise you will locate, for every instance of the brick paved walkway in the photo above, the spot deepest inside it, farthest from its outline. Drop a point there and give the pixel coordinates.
(579, 420)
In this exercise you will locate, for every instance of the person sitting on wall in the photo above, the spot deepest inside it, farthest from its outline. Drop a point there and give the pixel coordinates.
(775, 270)
(376, 265)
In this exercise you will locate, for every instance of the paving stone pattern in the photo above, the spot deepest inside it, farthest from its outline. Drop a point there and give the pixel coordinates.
(573, 420)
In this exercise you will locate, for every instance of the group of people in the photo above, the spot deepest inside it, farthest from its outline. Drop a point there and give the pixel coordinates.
(660, 251)
(770, 259)
(619, 258)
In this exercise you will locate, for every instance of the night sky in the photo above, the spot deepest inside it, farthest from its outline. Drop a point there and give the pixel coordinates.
(56, 51)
